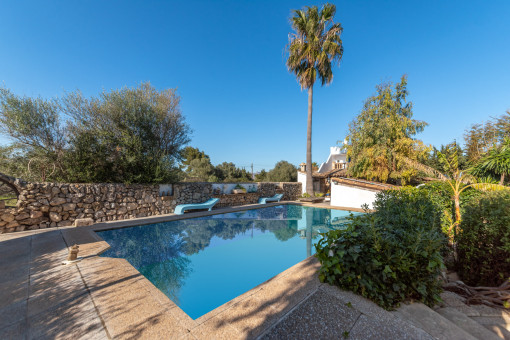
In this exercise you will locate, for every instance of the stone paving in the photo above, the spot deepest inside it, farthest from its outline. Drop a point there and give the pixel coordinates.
(106, 298)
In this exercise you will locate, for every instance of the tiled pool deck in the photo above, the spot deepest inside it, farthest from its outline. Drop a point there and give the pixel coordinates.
(101, 298)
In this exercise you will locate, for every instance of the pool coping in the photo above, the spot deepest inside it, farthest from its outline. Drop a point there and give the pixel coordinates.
(270, 299)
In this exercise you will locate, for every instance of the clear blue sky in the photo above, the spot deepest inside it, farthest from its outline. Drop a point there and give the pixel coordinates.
(226, 59)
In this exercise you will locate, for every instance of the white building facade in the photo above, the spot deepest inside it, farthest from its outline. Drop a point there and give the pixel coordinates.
(337, 160)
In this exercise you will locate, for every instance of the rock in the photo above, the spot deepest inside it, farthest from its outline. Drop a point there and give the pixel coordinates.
(7, 217)
(30, 221)
(36, 214)
(65, 224)
(22, 216)
(122, 210)
(12, 224)
(43, 201)
(58, 201)
(2, 204)
(57, 208)
(68, 207)
(99, 215)
(83, 222)
(55, 216)
(88, 199)
(45, 208)
(131, 206)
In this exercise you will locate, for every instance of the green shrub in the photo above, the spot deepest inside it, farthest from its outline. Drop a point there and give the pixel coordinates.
(483, 243)
(390, 255)
(305, 195)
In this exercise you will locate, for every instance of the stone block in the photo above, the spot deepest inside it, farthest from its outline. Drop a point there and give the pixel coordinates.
(7, 217)
(122, 210)
(58, 201)
(88, 199)
(43, 201)
(64, 223)
(99, 214)
(22, 216)
(2, 204)
(83, 222)
(55, 216)
(36, 214)
(68, 207)
(30, 221)
(12, 224)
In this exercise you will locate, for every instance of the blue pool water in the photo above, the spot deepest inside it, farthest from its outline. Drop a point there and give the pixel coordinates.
(201, 263)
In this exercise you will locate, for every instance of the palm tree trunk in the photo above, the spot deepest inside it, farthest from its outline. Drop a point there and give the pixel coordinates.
(309, 178)
(502, 180)
(457, 213)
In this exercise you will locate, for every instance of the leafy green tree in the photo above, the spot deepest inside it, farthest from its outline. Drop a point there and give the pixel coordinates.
(135, 134)
(381, 143)
(481, 138)
(314, 48)
(190, 153)
(433, 159)
(261, 176)
(283, 171)
(201, 170)
(503, 125)
(228, 172)
(37, 130)
(131, 135)
(497, 160)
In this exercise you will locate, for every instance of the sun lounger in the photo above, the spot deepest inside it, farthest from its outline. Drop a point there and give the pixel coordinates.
(209, 204)
(275, 198)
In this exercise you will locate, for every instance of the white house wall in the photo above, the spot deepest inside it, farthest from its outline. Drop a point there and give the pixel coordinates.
(351, 197)
(301, 178)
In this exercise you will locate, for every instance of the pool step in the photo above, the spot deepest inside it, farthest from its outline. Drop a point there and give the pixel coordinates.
(466, 323)
(433, 323)
(497, 321)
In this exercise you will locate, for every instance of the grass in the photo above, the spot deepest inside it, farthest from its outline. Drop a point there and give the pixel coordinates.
(10, 200)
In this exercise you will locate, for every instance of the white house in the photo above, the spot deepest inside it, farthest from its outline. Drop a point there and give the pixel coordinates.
(336, 162)
(332, 176)
(354, 193)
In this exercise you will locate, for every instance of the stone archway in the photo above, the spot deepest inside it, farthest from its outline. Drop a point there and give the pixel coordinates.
(12, 184)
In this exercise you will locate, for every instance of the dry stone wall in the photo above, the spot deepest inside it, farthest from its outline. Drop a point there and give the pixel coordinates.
(46, 205)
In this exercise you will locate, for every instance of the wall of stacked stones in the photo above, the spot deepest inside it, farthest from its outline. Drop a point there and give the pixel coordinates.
(46, 205)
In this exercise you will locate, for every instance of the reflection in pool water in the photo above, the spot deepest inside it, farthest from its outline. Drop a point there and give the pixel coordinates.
(201, 263)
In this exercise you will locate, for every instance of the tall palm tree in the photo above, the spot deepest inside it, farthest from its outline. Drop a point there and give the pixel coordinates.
(314, 48)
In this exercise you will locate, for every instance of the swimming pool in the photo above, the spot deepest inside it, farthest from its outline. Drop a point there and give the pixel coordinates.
(202, 263)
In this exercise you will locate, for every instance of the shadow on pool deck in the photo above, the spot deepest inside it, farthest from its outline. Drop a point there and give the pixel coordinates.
(39, 296)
